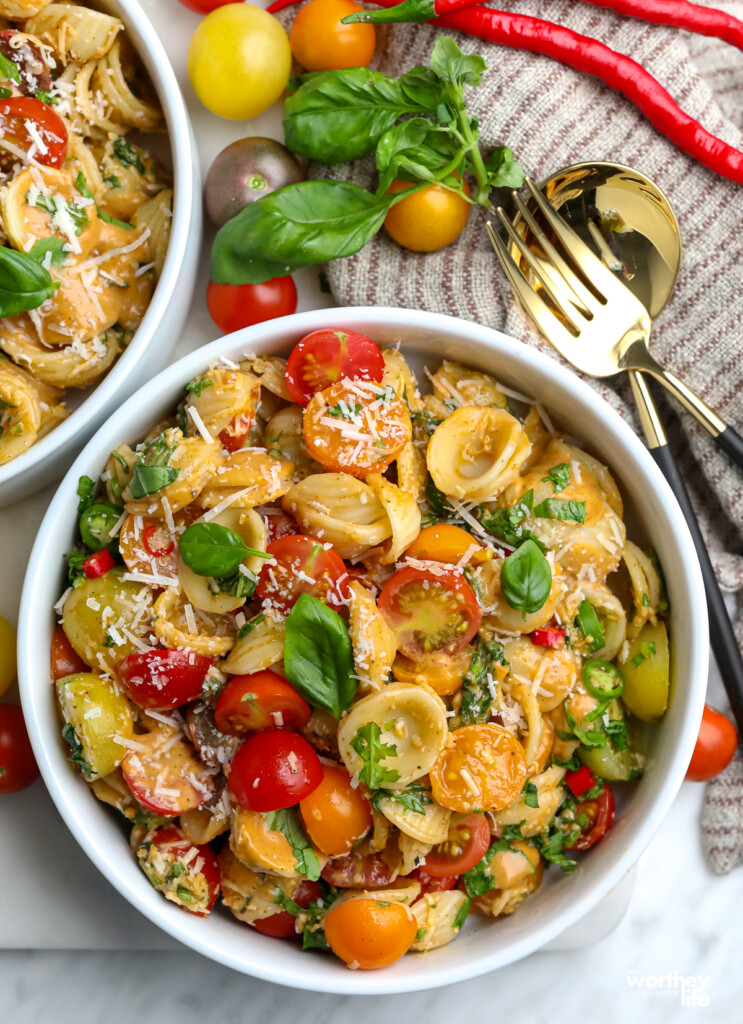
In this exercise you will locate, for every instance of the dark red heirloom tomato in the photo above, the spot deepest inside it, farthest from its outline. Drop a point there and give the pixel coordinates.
(600, 814)
(465, 846)
(430, 611)
(278, 523)
(715, 746)
(18, 767)
(325, 357)
(433, 883)
(173, 843)
(357, 871)
(304, 567)
(14, 115)
(283, 924)
(65, 662)
(161, 680)
(234, 306)
(274, 769)
(261, 700)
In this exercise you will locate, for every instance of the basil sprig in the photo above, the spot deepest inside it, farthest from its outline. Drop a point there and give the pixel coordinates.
(24, 283)
(209, 549)
(318, 658)
(526, 578)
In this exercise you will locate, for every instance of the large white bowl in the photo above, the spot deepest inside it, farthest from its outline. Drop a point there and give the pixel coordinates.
(563, 899)
(158, 333)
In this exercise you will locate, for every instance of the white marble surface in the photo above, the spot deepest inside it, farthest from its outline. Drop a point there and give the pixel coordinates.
(682, 922)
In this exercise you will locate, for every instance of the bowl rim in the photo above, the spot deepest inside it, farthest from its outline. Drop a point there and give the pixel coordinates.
(170, 919)
(151, 51)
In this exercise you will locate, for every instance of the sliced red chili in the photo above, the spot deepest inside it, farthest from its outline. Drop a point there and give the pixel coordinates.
(157, 542)
(98, 564)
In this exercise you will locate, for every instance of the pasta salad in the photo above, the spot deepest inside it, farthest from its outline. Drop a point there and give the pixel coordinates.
(84, 213)
(362, 660)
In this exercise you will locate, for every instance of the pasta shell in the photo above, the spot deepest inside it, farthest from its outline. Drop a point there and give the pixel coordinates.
(418, 730)
(200, 590)
(261, 848)
(399, 376)
(270, 370)
(412, 472)
(338, 508)
(435, 914)
(646, 589)
(283, 439)
(551, 673)
(26, 223)
(200, 826)
(528, 701)
(476, 452)
(20, 411)
(501, 902)
(431, 827)
(403, 514)
(19, 10)
(110, 79)
(214, 635)
(261, 648)
(374, 643)
(77, 33)
(224, 394)
(248, 478)
(550, 793)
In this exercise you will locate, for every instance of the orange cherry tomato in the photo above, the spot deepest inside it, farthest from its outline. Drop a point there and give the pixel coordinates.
(429, 219)
(716, 745)
(261, 700)
(444, 542)
(321, 42)
(482, 768)
(65, 662)
(335, 814)
(355, 427)
(368, 933)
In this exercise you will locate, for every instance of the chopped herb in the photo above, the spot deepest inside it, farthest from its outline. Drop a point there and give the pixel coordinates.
(178, 869)
(287, 822)
(348, 413)
(505, 523)
(558, 476)
(562, 510)
(75, 572)
(588, 622)
(426, 420)
(587, 737)
(663, 603)
(127, 155)
(151, 470)
(78, 214)
(250, 626)
(513, 832)
(53, 245)
(368, 745)
(288, 904)
(645, 600)
(9, 69)
(82, 186)
(46, 97)
(5, 93)
(551, 847)
(314, 939)
(414, 797)
(68, 734)
(617, 732)
(85, 488)
(531, 794)
(112, 181)
(121, 461)
(184, 895)
(462, 915)
(476, 695)
(199, 385)
(114, 220)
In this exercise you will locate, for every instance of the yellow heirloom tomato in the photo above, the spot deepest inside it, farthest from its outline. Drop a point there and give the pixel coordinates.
(96, 719)
(7, 655)
(239, 61)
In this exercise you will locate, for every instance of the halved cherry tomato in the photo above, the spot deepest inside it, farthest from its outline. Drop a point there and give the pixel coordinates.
(483, 767)
(304, 567)
(580, 780)
(283, 924)
(550, 636)
(193, 860)
(278, 523)
(98, 564)
(716, 744)
(430, 611)
(335, 814)
(600, 814)
(157, 541)
(357, 871)
(327, 357)
(368, 933)
(65, 661)
(433, 883)
(465, 846)
(18, 767)
(14, 115)
(234, 306)
(235, 434)
(355, 428)
(261, 700)
(163, 679)
(274, 769)
(165, 776)
(321, 42)
(139, 557)
(444, 542)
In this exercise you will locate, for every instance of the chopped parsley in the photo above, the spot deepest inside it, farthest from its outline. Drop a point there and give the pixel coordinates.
(558, 476)
(199, 385)
(127, 155)
(414, 797)
(76, 756)
(531, 794)
(345, 411)
(476, 686)
(78, 214)
(505, 523)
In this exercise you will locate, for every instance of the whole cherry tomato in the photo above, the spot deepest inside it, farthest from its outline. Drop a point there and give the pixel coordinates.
(163, 679)
(427, 220)
(465, 846)
(234, 306)
(303, 567)
(328, 356)
(716, 745)
(283, 924)
(321, 42)
(600, 814)
(261, 700)
(65, 662)
(335, 814)
(18, 767)
(369, 933)
(274, 769)
(24, 117)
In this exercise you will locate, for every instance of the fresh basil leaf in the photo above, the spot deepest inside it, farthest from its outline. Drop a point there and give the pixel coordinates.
(526, 578)
(586, 737)
(24, 284)
(369, 746)
(296, 226)
(531, 794)
(414, 150)
(503, 171)
(423, 87)
(287, 822)
(127, 155)
(452, 66)
(588, 623)
(81, 185)
(238, 585)
(551, 848)
(617, 733)
(314, 939)
(209, 549)
(462, 915)
(78, 214)
(85, 488)
(150, 479)
(287, 903)
(337, 116)
(75, 573)
(414, 797)
(476, 696)
(564, 511)
(318, 659)
(96, 523)
(76, 748)
(9, 69)
(558, 476)
(53, 245)
(512, 833)
(505, 523)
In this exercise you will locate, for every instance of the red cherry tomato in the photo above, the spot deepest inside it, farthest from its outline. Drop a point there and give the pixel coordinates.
(278, 524)
(16, 111)
(432, 883)
(274, 769)
(234, 306)
(98, 564)
(580, 780)
(304, 567)
(465, 846)
(262, 700)
(283, 924)
(173, 843)
(163, 679)
(205, 6)
(65, 662)
(600, 813)
(235, 434)
(157, 541)
(716, 744)
(550, 636)
(430, 611)
(357, 871)
(18, 767)
(326, 357)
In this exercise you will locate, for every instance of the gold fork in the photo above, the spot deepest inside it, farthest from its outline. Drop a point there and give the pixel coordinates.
(599, 326)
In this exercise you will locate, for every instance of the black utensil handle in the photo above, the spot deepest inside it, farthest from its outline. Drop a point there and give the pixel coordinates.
(732, 444)
(723, 640)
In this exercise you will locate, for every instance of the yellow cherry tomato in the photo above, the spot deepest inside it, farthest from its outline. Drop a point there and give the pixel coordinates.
(369, 933)
(239, 61)
(7, 655)
(430, 219)
(444, 542)
(321, 42)
(483, 768)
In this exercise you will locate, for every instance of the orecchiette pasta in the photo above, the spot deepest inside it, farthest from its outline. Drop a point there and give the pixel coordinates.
(76, 33)
(205, 633)
(247, 478)
(435, 914)
(461, 386)
(374, 643)
(402, 512)
(431, 826)
(341, 510)
(27, 409)
(261, 648)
